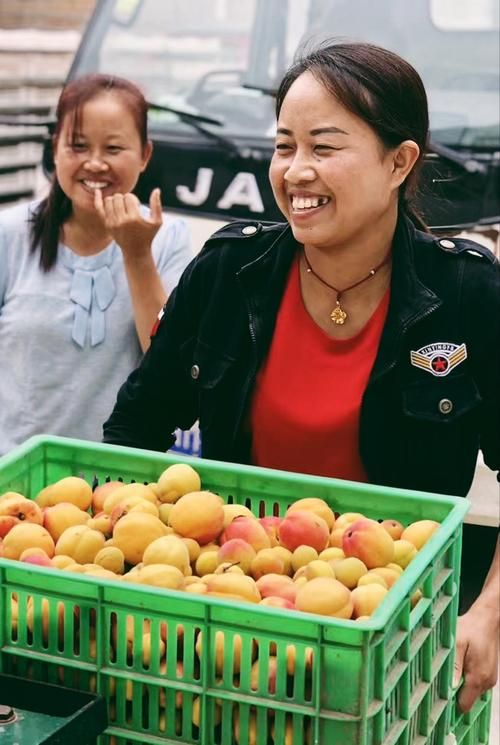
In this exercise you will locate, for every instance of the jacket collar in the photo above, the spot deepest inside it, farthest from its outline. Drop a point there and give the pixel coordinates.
(274, 262)
(263, 283)
(263, 279)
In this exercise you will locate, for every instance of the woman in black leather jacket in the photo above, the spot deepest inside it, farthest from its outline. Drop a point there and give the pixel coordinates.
(348, 341)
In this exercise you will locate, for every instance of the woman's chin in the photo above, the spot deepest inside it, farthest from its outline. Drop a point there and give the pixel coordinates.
(309, 233)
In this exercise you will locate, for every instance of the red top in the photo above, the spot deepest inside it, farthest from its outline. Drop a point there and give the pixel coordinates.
(304, 415)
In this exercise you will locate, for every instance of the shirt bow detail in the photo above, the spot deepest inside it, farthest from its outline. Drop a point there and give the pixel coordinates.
(92, 291)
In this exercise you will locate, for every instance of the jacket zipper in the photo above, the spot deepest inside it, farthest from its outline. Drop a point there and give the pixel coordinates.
(253, 336)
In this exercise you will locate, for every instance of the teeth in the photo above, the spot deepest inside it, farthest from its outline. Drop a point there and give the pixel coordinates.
(96, 184)
(306, 203)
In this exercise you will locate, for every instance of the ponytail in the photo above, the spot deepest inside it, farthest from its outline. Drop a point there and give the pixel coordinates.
(410, 209)
(46, 224)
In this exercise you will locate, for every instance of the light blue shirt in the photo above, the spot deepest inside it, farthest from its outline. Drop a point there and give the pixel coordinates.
(67, 337)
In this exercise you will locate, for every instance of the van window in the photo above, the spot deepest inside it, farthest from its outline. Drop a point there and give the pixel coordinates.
(223, 58)
(462, 15)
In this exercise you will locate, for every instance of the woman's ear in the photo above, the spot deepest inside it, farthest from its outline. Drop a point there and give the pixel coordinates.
(148, 151)
(403, 159)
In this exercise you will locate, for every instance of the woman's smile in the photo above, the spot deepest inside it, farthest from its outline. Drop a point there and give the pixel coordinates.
(307, 202)
(305, 206)
(91, 185)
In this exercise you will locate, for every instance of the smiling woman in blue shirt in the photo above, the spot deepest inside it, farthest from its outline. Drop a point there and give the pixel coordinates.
(85, 271)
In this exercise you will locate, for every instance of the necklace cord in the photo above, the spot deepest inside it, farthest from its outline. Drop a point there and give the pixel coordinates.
(370, 274)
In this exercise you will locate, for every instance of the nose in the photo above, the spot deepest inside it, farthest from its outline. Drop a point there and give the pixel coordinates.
(300, 170)
(96, 162)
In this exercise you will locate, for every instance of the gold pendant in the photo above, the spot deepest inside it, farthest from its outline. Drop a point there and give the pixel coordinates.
(338, 315)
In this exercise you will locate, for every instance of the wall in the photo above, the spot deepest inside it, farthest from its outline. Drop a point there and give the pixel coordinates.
(45, 14)
(38, 39)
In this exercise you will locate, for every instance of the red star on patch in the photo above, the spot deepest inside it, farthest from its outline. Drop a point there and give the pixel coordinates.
(439, 364)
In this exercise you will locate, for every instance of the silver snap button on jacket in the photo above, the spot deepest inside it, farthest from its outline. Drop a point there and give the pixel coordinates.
(445, 243)
(249, 230)
(445, 406)
(195, 371)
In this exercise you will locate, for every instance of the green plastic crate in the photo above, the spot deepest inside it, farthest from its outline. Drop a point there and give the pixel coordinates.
(473, 728)
(384, 681)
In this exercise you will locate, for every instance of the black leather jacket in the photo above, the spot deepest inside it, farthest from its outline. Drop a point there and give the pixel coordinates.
(423, 416)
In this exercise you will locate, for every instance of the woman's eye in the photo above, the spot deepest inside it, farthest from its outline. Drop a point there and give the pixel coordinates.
(283, 146)
(326, 148)
(78, 147)
(114, 149)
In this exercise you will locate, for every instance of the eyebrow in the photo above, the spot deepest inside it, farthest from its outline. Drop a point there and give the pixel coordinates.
(314, 132)
(81, 136)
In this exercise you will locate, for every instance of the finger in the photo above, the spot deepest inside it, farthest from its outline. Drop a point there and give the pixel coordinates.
(119, 209)
(155, 206)
(472, 687)
(470, 691)
(109, 212)
(98, 204)
(460, 652)
(132, 206)
(459, 665)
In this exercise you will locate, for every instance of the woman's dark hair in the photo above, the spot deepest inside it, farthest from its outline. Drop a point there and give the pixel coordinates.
(55, 209)
(382, 89)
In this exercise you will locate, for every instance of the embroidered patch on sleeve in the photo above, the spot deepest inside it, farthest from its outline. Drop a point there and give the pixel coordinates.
(157, 323)
(439, 358)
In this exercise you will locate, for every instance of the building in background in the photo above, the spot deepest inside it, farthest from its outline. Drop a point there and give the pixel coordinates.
(38, 39)
(45, 14)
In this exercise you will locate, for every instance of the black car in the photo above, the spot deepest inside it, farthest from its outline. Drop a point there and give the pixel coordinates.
(210, 67)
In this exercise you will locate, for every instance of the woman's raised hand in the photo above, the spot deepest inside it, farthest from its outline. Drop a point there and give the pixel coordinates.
(131, 230)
